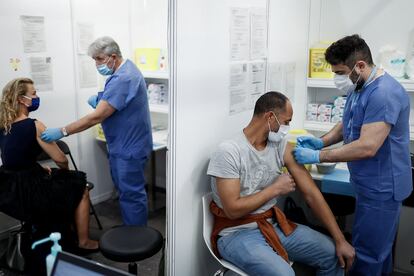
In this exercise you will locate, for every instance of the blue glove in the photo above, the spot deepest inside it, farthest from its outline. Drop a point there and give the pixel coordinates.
(51, 135)
(310, 142)
(306, 156)
(93, 101)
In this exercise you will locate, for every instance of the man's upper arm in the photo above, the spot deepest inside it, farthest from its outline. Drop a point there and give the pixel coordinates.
(299, 173)
(224, 166)
(116, 92)
(104, 110)
(373, 135)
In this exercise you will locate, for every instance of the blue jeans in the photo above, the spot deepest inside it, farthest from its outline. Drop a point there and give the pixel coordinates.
(248, 250)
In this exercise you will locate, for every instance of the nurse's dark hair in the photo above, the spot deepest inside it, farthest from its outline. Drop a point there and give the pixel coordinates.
(348, 51)
(104, 45)
(270, 101)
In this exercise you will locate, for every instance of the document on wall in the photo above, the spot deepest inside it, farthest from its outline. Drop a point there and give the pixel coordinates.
(238, 87)
(85, 37)
(257, 72)
(41, 72)
(275, 76)
(87, 72)
(258, 33)
(239, 34)
(290, 72)
(33, 31)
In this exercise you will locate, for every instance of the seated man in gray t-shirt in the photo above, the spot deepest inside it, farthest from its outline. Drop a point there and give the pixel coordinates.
(247, 179)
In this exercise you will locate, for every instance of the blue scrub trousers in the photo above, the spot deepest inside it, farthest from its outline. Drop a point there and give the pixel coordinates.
(128, 178)
(373, 234)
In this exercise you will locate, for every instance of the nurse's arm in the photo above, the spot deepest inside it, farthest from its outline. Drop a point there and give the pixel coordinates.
(333, 136)
(371, 139)
(103, 110)
(320, 208)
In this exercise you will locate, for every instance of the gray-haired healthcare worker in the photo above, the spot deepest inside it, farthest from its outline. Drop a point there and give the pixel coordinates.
(375, 132)
(123, 110)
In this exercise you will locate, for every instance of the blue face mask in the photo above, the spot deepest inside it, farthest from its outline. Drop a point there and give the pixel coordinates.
(104, 70)
(35, 103)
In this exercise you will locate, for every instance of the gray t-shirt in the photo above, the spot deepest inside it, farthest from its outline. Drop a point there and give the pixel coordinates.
(237, 158)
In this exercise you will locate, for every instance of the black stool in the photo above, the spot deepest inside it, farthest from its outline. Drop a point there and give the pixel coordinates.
(129, 244)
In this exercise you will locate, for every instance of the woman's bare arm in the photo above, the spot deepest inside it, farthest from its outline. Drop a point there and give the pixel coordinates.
(51, 149)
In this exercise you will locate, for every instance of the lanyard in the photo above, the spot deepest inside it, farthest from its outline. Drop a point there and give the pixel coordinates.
(354, 97)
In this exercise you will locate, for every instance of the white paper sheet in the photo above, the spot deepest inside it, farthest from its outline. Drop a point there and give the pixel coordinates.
(41, 72)
(257, 71)
(290, 72)
(258, 33)
(33, 31)
(238, 87)
(87, 72)
(239, 34)
(275, 77)
(85, 37)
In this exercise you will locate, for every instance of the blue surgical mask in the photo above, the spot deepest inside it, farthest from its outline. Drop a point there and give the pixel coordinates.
(104, 70)
(280, 134)
(35, 103)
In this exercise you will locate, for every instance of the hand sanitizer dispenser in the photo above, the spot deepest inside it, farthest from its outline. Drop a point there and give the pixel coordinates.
(50, 259)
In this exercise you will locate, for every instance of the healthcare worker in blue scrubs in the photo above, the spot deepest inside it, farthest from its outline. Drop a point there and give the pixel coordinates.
(375, 132)
(123, 110)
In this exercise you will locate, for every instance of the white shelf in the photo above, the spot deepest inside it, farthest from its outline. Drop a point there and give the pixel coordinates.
(328, 83)
(320, 126)
(156, 75)
(159, 108)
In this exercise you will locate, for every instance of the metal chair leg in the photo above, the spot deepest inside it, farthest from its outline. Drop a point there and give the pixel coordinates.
(133, 268)
(95, 215)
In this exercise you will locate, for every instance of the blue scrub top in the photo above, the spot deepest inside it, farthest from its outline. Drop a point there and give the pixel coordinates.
(128, 129)
(388, 173)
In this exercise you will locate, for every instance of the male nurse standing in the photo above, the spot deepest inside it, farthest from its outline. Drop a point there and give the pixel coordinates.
(123, 110)
(375, 132)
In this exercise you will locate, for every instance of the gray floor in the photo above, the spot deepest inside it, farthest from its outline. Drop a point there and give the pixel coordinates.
(109, 215)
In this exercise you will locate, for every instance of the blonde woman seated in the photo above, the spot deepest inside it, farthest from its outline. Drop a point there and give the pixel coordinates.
(28, 191)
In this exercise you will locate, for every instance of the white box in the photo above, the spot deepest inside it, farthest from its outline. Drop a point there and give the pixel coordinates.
(340, 101)
(336, 119)
(337, 110)
(324, 118)
(311, 116)
(312, 108)
(325, 109)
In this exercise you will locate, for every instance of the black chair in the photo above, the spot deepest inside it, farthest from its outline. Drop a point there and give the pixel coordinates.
(89, 185)
(130, 244)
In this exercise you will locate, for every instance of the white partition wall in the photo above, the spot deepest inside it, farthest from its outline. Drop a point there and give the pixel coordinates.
(199, 121)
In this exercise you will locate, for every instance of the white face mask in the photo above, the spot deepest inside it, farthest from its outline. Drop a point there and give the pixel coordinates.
(276, 137)
(344, 83)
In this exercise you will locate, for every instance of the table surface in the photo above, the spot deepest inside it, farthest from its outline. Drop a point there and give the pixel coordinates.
(159, 139)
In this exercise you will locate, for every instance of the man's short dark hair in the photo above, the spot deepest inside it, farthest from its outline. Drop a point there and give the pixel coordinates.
(348, 51)
(270, 101)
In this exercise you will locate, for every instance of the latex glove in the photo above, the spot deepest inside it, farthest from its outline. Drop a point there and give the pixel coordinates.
(310, 142)
(51, 135)
(305, 155)
(93, 101)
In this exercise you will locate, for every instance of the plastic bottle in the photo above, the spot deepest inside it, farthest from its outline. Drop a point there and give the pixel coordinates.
(50, 259)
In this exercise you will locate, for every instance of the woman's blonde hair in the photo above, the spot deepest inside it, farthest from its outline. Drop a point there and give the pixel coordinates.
(9, 105)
